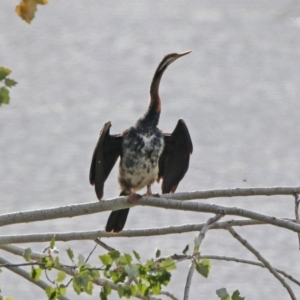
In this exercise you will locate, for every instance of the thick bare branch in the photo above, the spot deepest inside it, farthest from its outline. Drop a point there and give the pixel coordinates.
(31, 216)
(121, 202)
(94, 234)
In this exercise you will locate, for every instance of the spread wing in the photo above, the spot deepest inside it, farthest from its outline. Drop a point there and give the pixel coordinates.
(106, 153)
(174, 161)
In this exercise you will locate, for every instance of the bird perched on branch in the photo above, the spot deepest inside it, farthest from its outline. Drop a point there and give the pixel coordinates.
(147, 154)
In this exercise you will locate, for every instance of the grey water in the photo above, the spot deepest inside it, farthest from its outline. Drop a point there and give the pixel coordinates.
(82, 63)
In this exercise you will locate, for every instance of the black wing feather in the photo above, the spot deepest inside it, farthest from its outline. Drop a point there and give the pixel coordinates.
(105, 155)
(174, 161)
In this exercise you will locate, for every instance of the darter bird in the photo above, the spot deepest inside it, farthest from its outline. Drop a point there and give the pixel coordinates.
(147, 154)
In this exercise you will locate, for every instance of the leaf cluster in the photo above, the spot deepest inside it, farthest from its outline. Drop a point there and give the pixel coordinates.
(27, 8)
(134, 277)
(223, 295)
(7, 83)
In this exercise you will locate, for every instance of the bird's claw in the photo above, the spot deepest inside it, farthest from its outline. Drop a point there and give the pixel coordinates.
(134, 198)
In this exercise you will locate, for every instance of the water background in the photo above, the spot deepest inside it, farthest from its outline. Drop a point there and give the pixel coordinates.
(82, 63)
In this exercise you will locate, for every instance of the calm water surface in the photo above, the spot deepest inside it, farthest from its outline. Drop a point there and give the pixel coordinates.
(80, 64)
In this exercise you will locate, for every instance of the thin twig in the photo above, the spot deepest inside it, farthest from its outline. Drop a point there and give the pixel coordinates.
(85, 262)
(198, 242)
(249, 262)
(105, 246)
(246, 244)
(91, 253)
(17, 270)
(170, 295)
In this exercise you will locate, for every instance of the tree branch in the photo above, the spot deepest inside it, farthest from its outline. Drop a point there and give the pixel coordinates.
(297, 202)
(170, 295)
(94, 234)
(249, 262)
(198, 242)
(121, 202)
(263, 260)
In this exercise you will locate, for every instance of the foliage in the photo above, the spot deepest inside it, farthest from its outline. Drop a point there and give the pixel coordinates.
(125, 273)
(7, 83)
(27, 8)
(223, 295)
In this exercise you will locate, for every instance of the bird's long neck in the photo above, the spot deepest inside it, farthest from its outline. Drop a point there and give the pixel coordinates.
(152, 114)
(155, 102)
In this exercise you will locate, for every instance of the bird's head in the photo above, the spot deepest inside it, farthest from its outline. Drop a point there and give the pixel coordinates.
(170, 58)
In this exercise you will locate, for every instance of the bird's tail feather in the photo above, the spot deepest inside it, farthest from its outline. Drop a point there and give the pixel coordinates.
(117, 219)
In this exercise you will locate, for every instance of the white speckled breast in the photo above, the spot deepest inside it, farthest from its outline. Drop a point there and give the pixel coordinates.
(139, 160)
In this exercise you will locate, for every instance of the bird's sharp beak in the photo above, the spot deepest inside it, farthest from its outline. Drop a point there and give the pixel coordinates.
(183, 53)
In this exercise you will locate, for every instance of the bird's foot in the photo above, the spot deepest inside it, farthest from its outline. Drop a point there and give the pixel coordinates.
(134, 198)
(156, 195)
(151, 195)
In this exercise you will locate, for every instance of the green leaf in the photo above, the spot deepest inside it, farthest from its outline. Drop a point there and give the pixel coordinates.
(107, 289)
(52, 243)
(156, 289)
(76, 286)
(70, 253)
(82, 283)
(60, 276)
(47, 261)
(157, 253)
(114, 254)
(203, 267)
(4, 72)
(127, 292)
(106, 259)
(9, 298)
(168, 264)
(236, 296)
(51, 292)
(95, 274)
(89, 288)
(222, 293)
(103, 296)
(36, 273)
(62, 289)
(9, 82)
(136, 255)
(133, 289)
(142, 288)
(118, 275)
(128, 258)
(81, 260)
(120, 291)
(186, 249)
(56, 262)
(163, 277)
(4, 95)
(132, 271)
(27, 254)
